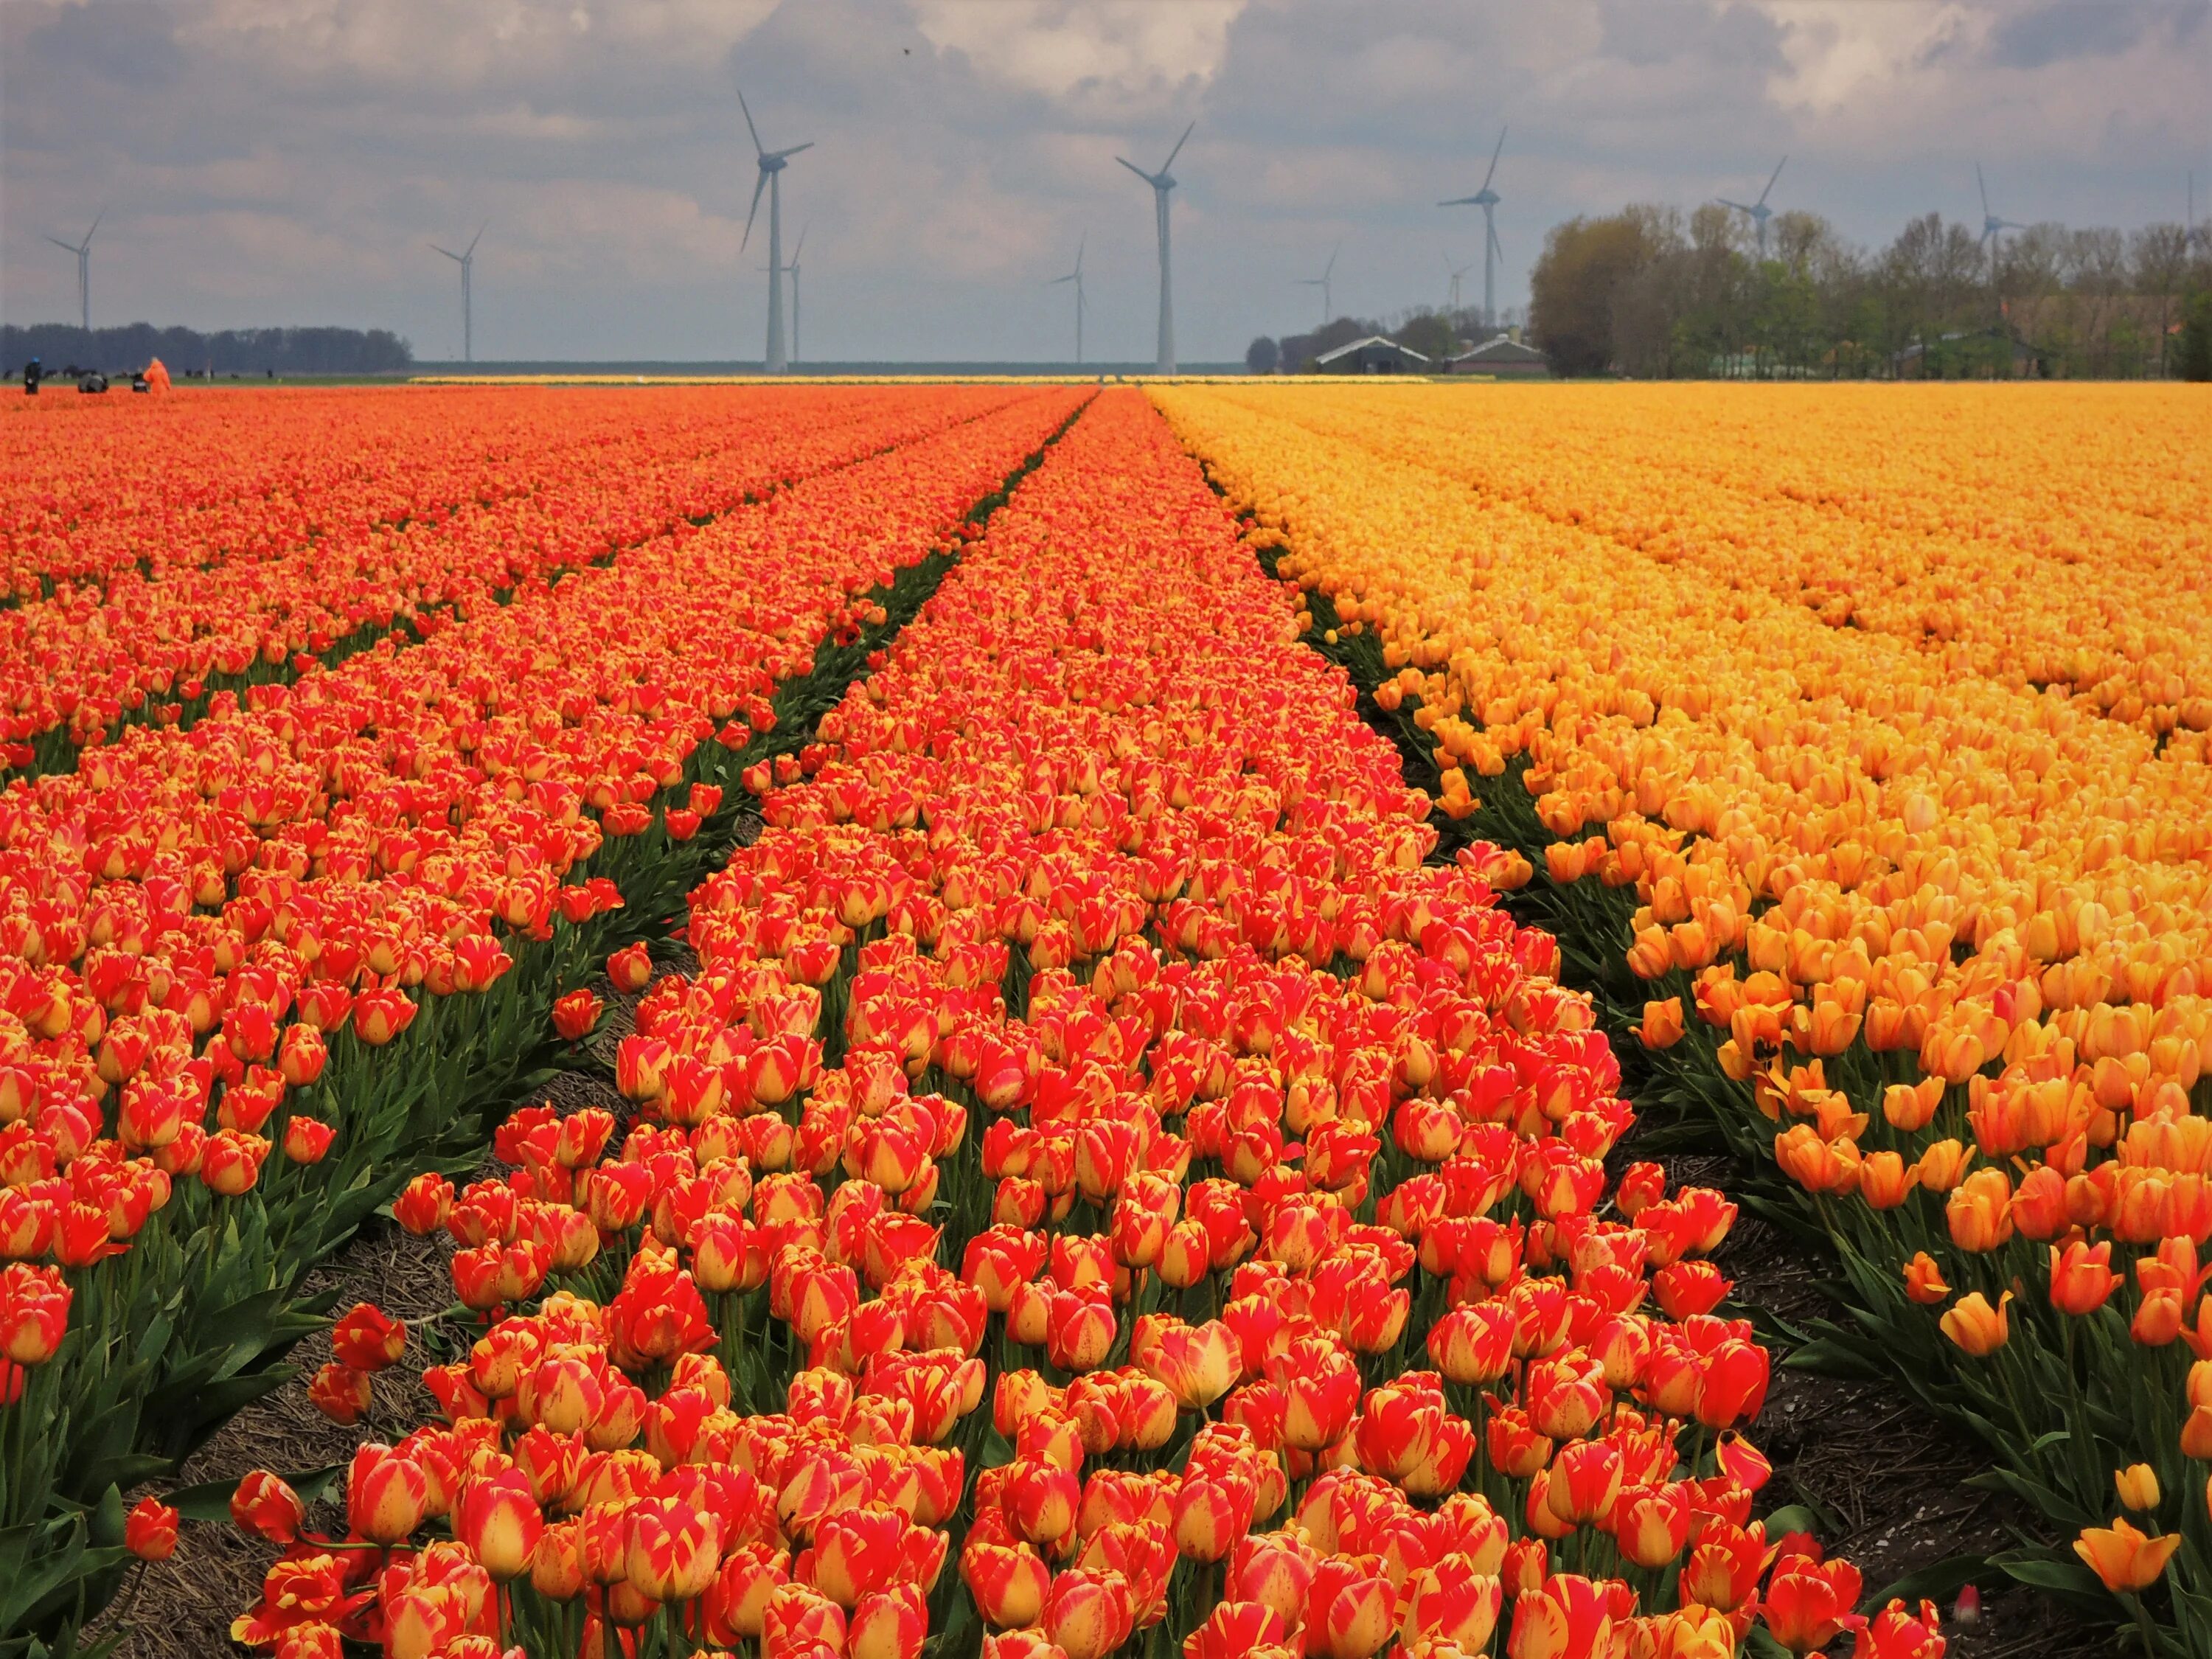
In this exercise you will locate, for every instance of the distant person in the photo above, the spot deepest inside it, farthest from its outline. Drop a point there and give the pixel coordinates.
(32, 375)
(157, 377)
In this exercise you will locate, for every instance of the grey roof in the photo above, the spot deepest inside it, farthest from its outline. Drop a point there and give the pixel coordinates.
(1372, 340)
(1500, 350)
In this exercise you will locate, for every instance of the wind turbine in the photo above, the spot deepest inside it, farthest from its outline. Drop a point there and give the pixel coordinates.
(772, 163)
(1993, 229)
(1320, 281)
(467, 263)
(1759, 211)
(83, 252)
(1487, 199)
(1455, 274)
(1162, 182)
(1076, 277)
(797, 248)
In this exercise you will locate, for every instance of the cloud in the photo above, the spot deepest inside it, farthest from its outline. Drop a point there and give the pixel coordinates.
(2071, 29)
(287, 161)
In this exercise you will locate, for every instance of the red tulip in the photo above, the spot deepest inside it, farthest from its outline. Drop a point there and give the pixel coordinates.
(672, 1549)
(387, 1494)
(1235, 1629)
(1008, 1580)
(306, 1140)
(1088, 1614)
(1568, 1617)
(34, 1306)
(340, 1393)
(149, 1531)
(575, 1015)
(265, 1506)
(1350, 1614)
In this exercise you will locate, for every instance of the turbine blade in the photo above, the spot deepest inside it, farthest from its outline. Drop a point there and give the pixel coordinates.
(796, 246)
(96, 218)
(783, 154)
(1739, 206)
(1778, 166)
(760, 183)
(71, 246)
(1331, 265)
(1982, 186)
(1134, 168)
(448, 251)
(478, 237)
(1177, 151)
(1460, 201)
(758, 149)
(1497, 246)
(1494, 155)
(1080, 241)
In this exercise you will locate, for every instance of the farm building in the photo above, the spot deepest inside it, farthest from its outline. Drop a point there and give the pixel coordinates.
(1502, 356)
(1376, 355)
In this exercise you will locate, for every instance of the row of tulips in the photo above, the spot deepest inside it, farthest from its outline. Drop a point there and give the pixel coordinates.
(2059, 544)
(1100, 1189)
(95, 492)
(556, 482)
(244, 969)
(1931, 950)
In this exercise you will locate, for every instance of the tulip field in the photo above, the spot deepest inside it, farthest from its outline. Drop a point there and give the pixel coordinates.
(1150, 926)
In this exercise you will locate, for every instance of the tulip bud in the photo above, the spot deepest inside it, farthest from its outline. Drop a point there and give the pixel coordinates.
(2137, 1485)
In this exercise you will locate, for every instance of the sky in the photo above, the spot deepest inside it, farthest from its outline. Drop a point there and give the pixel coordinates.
(289, 161)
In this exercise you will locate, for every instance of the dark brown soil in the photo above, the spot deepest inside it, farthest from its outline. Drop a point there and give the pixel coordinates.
(183, 1606)
(1892, 1475)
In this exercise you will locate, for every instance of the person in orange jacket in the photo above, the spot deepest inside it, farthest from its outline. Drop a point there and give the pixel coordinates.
(157, 377)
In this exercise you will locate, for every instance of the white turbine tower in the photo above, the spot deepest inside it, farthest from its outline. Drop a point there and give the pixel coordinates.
(1162, 182)
(797, 248)
(467, 263)
(772, 163)
(1487, 199)
(1076, 277)
(1993, 229)
(1327, 310)
(83, 252)
(1759, 212)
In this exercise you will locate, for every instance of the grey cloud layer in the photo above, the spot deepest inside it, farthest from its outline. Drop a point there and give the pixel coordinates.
(275, 161)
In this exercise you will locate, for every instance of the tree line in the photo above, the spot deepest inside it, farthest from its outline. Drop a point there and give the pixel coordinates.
(1653, 293)
(247, 351)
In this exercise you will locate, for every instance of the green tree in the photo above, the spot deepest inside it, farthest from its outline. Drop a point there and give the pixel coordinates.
(1262, 356)
(1572, 290)
(1429, 333)
(2196, 338)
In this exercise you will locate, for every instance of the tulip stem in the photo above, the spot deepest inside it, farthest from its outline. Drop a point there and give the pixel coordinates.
(2143, 1623)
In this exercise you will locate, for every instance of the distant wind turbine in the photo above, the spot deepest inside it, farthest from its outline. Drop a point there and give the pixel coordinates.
(83, 252)
(1076, 277)
(1456, 273)
(1993, 229)
(798, 247)
(467, 262)
(1327, 310)
(1759, 213)
(1162, 182)
(772, 163)
(792, 269)
(1487, 199)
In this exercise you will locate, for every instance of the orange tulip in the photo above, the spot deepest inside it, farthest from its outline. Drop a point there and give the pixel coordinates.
(1977, 1327)
(2123, 1556)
